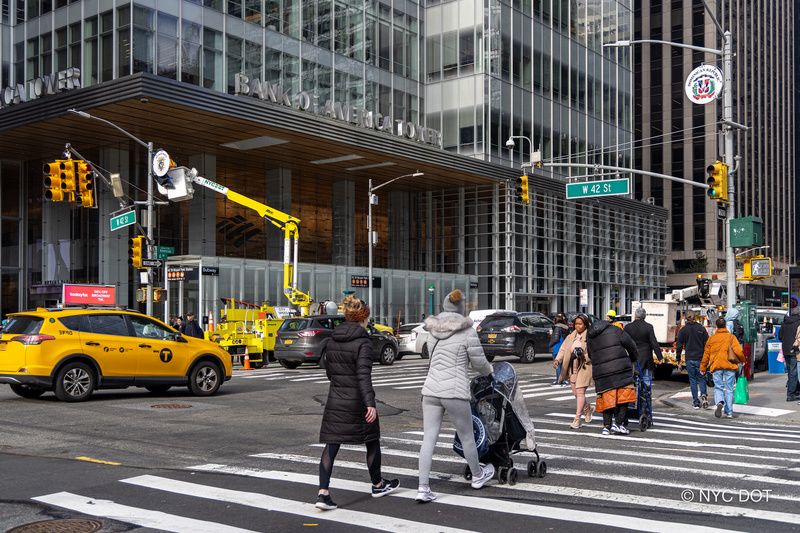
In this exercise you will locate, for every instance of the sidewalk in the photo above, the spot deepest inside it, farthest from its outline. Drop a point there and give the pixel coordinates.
(767, 400)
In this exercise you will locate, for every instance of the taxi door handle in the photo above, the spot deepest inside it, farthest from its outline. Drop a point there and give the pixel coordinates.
(145, 346)
(92, 343)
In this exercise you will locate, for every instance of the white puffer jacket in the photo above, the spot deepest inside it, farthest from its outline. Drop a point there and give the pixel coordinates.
(458, 347)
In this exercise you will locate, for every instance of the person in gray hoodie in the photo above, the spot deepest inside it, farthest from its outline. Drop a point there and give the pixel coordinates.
(453, 346)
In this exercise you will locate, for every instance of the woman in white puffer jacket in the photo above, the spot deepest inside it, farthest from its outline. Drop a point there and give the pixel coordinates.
(453, 346)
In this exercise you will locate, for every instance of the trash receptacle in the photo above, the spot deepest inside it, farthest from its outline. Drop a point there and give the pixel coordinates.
(774, 366)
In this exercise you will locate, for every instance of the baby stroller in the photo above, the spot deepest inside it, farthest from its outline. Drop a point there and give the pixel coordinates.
(643, 408)
(502, 425)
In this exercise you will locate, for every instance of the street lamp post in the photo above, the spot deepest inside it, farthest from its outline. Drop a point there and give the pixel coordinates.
(728, 125)
(510, 145)
(150, 200)
(373, 200)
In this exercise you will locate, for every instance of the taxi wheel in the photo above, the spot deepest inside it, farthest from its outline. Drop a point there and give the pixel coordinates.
(205, 379)
(388, 354)
(26, 391)
(75, 382)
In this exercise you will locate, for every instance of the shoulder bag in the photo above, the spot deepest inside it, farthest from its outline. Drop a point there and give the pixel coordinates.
(732, 357)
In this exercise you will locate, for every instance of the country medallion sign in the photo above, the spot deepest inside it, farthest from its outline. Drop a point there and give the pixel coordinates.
(704, 84)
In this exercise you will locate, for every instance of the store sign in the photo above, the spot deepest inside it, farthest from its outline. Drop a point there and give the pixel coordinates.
(363, 281)
(704, 84)
(181, 273)
(362, 118)
(88, 294)
(63, 80)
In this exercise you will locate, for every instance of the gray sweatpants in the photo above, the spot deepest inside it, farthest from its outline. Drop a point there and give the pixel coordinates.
(460, 415)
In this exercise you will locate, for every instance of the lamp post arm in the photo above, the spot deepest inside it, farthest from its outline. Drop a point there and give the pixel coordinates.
(84, 114)
(710, 14)
(670, 43)
(373, 189)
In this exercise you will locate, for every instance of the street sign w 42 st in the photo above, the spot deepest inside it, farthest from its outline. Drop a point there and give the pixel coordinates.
(593, 189)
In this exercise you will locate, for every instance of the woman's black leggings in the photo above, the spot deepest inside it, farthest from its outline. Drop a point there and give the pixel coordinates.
(618, 414)
(329, 456)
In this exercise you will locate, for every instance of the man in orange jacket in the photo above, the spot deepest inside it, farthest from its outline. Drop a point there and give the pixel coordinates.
(715, 359)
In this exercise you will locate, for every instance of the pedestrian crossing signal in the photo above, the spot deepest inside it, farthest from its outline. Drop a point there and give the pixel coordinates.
(522, 190)
(135, 252)
(717, 182)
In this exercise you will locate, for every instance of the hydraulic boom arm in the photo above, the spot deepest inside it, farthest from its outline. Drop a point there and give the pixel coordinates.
(291, 234)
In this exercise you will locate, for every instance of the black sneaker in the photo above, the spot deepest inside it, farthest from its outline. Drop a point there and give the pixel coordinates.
(387, 486)
(718, 411)
(325, 502)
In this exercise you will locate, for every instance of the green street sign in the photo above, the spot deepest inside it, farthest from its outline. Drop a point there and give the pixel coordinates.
(593, 189)
(125, 219)
(163, 252)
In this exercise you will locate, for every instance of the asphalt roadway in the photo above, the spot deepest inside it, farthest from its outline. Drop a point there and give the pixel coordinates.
(246, 460)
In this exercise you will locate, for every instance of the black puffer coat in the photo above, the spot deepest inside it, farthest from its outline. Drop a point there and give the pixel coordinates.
(348, 363)
(613, 354)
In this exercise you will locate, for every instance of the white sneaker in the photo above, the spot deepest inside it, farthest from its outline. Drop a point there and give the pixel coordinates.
(425, 495)
(487, 473)
(622, 430)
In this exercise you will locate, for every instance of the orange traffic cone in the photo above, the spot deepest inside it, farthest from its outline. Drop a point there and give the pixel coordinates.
(246, 359)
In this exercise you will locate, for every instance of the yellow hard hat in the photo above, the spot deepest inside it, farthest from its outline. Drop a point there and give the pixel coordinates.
(611, 313)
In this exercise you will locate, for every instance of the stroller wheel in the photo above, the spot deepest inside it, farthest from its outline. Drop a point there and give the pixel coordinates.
(532, 468)
(541, 469)
(502, 472)
(511, 476)
(467, 473)
(643, 423)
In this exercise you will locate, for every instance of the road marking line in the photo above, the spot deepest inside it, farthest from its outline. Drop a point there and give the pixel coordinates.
(571, 397)
(135, 515)
(760, 411)
(97, 461)
(419, 382)
(549, 512)
(742, 426)
(458, 477)
(397, 380)
(271, 503)
(410, 387)
(720, 429)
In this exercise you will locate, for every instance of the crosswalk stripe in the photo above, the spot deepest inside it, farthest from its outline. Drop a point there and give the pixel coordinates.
(605, 496)
(660, 456)
(135, 515)
(418, 381)
(777, 430)
(410, 387)
(271, 503)
(591, 460)
(571, 397)
(542, 394)
(533, 510)
(397, 379)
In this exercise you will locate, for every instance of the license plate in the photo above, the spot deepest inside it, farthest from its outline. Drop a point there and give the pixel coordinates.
(287, 342)
(492, 335)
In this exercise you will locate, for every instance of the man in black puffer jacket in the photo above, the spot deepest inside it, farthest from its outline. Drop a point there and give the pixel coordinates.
(613, 355)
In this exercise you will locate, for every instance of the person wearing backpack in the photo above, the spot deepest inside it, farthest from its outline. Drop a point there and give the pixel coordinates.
(453, 346)
(560, 332)
(722, 356)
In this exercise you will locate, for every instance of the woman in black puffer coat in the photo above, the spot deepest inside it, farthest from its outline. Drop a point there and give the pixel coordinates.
(350, 416)
(613, 354)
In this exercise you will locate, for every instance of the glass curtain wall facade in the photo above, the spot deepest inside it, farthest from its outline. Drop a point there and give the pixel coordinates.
(362, 53)
(535, 68)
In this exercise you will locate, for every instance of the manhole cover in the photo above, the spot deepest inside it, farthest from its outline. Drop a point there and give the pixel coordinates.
(69, 525)
(171, 406)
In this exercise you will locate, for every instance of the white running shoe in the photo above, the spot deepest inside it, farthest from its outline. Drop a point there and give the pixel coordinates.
(487, 473)
(425, 495)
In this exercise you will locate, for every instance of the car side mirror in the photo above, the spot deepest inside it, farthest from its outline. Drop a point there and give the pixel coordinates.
(177, 337)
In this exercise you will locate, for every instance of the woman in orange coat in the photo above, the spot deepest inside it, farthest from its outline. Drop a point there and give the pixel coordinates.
(721, 350)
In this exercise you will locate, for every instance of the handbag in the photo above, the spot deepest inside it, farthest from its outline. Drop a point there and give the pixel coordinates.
(732, 357)
(709, 379)
(740, 393)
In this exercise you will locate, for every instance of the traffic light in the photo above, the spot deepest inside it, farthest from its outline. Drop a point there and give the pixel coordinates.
(135, 252)
(52, 182)
(717, 182)
(85, 195)
(522, 190)
(67, 173)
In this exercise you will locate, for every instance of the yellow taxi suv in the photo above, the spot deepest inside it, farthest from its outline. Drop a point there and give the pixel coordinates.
(74, 352)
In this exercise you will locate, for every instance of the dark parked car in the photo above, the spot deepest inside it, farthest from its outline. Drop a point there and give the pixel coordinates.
(303, 339)
(520, 334)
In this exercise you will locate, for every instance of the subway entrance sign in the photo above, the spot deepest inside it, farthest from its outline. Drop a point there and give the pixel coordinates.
(593, 189)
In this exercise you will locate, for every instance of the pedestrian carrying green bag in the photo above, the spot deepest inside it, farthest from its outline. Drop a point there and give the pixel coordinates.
(740, 394)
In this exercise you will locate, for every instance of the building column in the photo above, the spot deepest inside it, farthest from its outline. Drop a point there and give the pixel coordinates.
(343, 206)
(203, 209)
(279, 196)
(399, 206)
(113, 266)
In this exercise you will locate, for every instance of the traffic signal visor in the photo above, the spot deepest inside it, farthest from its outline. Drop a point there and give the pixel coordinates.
(135, 252)
(522, 191)
(717, 181)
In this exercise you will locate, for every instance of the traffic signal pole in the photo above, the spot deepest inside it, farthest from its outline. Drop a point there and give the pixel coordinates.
(728, 125)
(150, 247)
